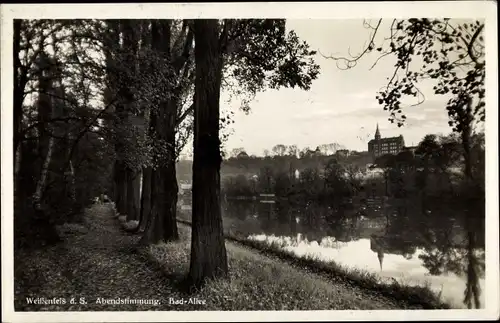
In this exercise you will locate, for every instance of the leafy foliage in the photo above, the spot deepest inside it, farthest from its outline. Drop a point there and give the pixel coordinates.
(448, 52)
(261, 54)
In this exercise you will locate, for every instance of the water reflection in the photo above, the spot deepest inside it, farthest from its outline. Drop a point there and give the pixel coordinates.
(397, 239)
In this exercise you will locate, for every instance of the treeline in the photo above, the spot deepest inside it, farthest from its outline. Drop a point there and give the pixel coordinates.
(244, 164)
(435, 169)
(333, 182)
(100, 104)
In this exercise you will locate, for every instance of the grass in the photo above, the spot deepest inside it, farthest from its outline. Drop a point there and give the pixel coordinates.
(259, 282)
(420, 296)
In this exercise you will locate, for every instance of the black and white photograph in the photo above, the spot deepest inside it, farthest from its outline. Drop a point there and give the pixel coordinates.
(249, 161)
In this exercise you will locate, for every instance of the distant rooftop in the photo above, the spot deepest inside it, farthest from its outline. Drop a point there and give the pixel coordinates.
(387, 139)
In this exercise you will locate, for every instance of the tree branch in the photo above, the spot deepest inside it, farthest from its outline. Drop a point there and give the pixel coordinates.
(84, 130)
(471, 44)
(36, 124)
(184, 115)
(351, 62)
(181, 60)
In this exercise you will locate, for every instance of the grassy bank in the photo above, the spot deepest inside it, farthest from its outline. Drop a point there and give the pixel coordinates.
(410, 296)
(260, 282)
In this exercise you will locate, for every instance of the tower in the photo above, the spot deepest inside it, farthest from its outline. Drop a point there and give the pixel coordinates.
(377, 133)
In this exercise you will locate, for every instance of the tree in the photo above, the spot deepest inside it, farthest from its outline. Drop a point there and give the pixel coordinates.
(208, 251)
(282, 184)
(335, 183)
(256, 54)
(279, 150)
(236, 151)
(242, 155)
(52, 117)
(46, 109)
(132, 169)
(386, 162)
(266, 179)
(306, 152)
(329, 149)
(170, 124)
(310, 182)
(293, 150)
(428, 150)
(449, 53)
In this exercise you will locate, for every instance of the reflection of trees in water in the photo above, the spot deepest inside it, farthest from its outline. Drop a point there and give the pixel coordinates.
(439, 231)
(287, 225)
(240, 210)
(448, 243)
(475, 269)
(342, 223)
(267, 217)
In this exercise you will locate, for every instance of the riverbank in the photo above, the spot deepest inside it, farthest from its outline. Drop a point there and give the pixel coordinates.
(409, 296)
(260, 281)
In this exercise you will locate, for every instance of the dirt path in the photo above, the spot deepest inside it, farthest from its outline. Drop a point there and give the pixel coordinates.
(98, 264)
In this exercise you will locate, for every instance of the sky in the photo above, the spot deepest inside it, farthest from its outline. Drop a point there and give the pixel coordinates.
(340, 107)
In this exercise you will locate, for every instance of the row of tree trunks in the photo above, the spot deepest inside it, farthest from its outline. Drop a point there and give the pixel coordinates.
(124, 176)
(159, 193)
(161, 223)
(160, 188)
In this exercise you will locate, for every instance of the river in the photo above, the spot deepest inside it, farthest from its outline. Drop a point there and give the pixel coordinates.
(390, 239)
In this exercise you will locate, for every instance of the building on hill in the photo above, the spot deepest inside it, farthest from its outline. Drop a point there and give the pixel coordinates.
(382, 146)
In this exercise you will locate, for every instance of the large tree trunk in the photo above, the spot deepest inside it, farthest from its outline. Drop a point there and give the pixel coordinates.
(42, 181)
(133, 199)
(145, 203)
(145, 198)
(164, 187)
(20, 80)
(169, 201)
(472, 291)
(208, 251)
(121, 180)
(17, 168)
(42, 224)
(124, 177)
(153, 232)
(162, 221)
(45, 232)
(69, 174)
